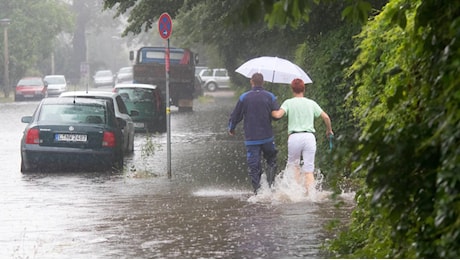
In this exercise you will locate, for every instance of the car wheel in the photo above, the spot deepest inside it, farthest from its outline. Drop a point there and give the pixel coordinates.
(24, 168)
(161, 125)
(118, 163)
(211, 86)
(131, 144)
(18, 98)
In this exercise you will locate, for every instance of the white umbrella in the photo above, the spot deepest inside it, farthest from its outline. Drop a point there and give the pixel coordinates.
(274, 69)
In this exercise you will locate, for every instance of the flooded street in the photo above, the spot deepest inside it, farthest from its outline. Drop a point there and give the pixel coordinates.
(206, 210)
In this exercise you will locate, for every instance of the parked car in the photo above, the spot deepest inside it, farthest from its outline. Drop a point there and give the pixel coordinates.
(147, 100)
(125, 74)
(72, 133)
(56, 84)
(121, 111)
(30, 87)
(213, 79)
(103, 78)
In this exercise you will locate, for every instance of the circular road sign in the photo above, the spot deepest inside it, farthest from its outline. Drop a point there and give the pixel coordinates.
(165, 25)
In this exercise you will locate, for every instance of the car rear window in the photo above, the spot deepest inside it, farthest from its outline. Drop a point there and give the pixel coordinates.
(158, 56)
(55, 80)
(221, 73)
(30, 82)
(73, 113)
(104, 73)
(126, 70)
(137, 94)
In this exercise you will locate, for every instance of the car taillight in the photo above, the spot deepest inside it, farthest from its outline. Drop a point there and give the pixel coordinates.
(109, 139)
(33, 136)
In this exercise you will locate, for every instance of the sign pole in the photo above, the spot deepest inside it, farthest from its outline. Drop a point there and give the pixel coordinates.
(165, 30)
(168, 113)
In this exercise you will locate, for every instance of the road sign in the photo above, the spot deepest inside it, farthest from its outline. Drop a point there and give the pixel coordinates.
(165, 25)
(165, 29)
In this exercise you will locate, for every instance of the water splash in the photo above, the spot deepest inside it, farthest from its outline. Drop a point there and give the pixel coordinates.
(287, 189)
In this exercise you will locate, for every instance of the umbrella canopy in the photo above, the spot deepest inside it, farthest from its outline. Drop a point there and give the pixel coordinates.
(274, 69)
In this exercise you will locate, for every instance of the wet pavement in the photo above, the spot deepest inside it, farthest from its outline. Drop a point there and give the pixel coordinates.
(206, 210)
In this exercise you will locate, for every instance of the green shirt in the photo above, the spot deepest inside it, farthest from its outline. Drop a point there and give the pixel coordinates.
(301, 114)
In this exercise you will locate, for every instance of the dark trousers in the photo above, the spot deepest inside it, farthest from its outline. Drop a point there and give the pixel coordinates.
(254, 157)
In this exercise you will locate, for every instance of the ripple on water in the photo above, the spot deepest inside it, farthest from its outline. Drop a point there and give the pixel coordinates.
(216, 192)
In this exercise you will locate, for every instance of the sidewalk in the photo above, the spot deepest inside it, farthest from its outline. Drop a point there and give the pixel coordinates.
(4, 99)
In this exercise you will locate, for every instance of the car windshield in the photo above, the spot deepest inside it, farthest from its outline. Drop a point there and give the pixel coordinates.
(207, 73)
(73, 113)
(30, 82)
(221, 73)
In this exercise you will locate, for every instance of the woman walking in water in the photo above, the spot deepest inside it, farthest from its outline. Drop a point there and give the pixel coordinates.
(301, 112)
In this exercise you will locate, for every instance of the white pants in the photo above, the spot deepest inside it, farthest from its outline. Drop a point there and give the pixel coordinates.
(302, 144)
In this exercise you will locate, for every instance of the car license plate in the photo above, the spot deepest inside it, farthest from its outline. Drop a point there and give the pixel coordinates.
(138, 125)
(70, 138)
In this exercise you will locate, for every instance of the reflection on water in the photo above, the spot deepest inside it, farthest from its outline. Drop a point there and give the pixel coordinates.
(206, 210)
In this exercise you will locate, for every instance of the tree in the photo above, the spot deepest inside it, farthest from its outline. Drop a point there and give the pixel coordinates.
(143, 13)
(236, 28)
(32, 33)
(97, 34)
(406, 98)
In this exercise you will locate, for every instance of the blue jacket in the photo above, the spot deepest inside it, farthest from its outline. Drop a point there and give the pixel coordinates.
(255, 106)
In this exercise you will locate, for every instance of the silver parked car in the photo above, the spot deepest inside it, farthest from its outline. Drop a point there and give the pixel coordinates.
(124, 75)
(120, 112)
(56, 84)
(103, 78)
(213, 79)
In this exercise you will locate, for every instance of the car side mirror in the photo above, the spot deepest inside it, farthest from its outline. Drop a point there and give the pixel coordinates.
(26, 119)
(134, 113)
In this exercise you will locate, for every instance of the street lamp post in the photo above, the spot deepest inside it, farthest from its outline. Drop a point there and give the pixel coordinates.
(6, 79)
(114, 56)
(87, 69)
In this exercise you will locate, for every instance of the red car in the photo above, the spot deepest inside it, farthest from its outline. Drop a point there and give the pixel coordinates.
(31, 87)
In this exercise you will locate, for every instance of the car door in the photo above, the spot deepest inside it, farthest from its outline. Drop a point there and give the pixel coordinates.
(128, 131)
(222, 78)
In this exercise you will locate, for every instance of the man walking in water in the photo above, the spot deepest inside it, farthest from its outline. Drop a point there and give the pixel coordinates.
(255, 107)
(301, 112)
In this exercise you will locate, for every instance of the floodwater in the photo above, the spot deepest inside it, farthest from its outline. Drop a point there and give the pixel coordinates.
(205, 210)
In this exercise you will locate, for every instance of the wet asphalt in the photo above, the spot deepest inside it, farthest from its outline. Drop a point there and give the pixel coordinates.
(205, 210)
